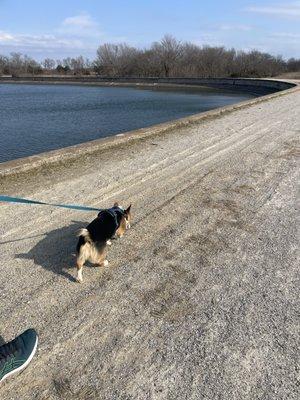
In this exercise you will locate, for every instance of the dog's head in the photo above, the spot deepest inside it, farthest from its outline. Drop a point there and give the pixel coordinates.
(126, 218)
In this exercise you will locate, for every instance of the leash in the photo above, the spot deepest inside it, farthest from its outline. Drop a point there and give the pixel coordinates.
(9, 199)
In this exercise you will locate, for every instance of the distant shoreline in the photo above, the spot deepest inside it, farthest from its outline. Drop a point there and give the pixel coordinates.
(246, 85)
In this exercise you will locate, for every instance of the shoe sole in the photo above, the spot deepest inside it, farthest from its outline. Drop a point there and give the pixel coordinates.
(19, 369)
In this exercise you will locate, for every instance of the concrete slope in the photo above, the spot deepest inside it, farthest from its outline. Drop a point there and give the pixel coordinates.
(200, 299)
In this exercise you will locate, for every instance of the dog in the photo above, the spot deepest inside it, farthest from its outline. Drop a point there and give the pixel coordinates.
(93, 240)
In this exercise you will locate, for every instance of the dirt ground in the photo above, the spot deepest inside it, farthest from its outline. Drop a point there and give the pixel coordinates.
(290, 75)
(200, 299)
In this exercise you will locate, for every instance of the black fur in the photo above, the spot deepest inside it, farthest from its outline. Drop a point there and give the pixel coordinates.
(81, 242)
(103, 227)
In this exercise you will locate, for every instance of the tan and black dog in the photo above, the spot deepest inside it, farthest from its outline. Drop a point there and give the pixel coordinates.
(93, 240)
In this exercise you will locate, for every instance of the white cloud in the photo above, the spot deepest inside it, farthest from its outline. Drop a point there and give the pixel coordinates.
(82, 21)
(45, 41)
(206, 38)
(285, 40)
(282, 43)
(228, 27)
(82, 25)
(76, 35)
(4, 36)
(287, 35)
(281, 10)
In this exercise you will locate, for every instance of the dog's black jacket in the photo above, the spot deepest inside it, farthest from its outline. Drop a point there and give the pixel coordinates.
(103, 227)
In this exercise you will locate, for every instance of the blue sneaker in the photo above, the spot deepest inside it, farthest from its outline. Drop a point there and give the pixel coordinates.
(17, 354)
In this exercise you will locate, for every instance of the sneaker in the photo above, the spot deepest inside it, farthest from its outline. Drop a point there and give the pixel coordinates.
(17, 354)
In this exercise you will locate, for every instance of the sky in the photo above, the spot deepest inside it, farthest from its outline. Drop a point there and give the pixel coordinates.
(63, 28)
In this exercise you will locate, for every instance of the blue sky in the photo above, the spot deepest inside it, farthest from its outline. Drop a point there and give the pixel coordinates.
(62, 28)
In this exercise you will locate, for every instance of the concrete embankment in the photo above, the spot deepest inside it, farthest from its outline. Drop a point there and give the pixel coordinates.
(200, 299)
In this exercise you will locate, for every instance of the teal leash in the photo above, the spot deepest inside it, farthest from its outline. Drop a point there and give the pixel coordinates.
(9, 199)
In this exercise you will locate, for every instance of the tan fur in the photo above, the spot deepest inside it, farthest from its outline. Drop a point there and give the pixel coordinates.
(85, 233)
(122, 228)
(88, 252)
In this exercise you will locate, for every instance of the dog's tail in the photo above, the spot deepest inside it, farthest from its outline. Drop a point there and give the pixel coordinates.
(85, 234)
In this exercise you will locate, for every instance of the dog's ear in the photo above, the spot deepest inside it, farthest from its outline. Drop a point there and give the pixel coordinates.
(116, 204)
(127, 211)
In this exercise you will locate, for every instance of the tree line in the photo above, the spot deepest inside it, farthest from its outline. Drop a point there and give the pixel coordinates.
(167, 58)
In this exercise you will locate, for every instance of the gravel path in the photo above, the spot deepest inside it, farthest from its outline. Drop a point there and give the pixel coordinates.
(200, 300)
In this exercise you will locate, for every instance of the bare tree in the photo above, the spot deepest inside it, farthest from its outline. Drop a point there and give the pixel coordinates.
(106, 61)
(293, 65)
(67, 62)
(49, 64)
(16, 64)
(116, 59)
(4, 65)
(166, 53)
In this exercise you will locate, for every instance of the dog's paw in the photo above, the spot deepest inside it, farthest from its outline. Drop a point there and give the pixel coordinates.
(108, 242)
(105, 263)
(79, 276)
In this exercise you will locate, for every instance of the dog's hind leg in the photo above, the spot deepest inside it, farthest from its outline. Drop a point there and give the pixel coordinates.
(79, 264)
(102, 261)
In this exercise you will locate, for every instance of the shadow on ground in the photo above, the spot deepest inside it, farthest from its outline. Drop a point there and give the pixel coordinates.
(56, 251)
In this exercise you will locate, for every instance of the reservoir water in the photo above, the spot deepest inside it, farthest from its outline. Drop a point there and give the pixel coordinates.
(39, 118)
